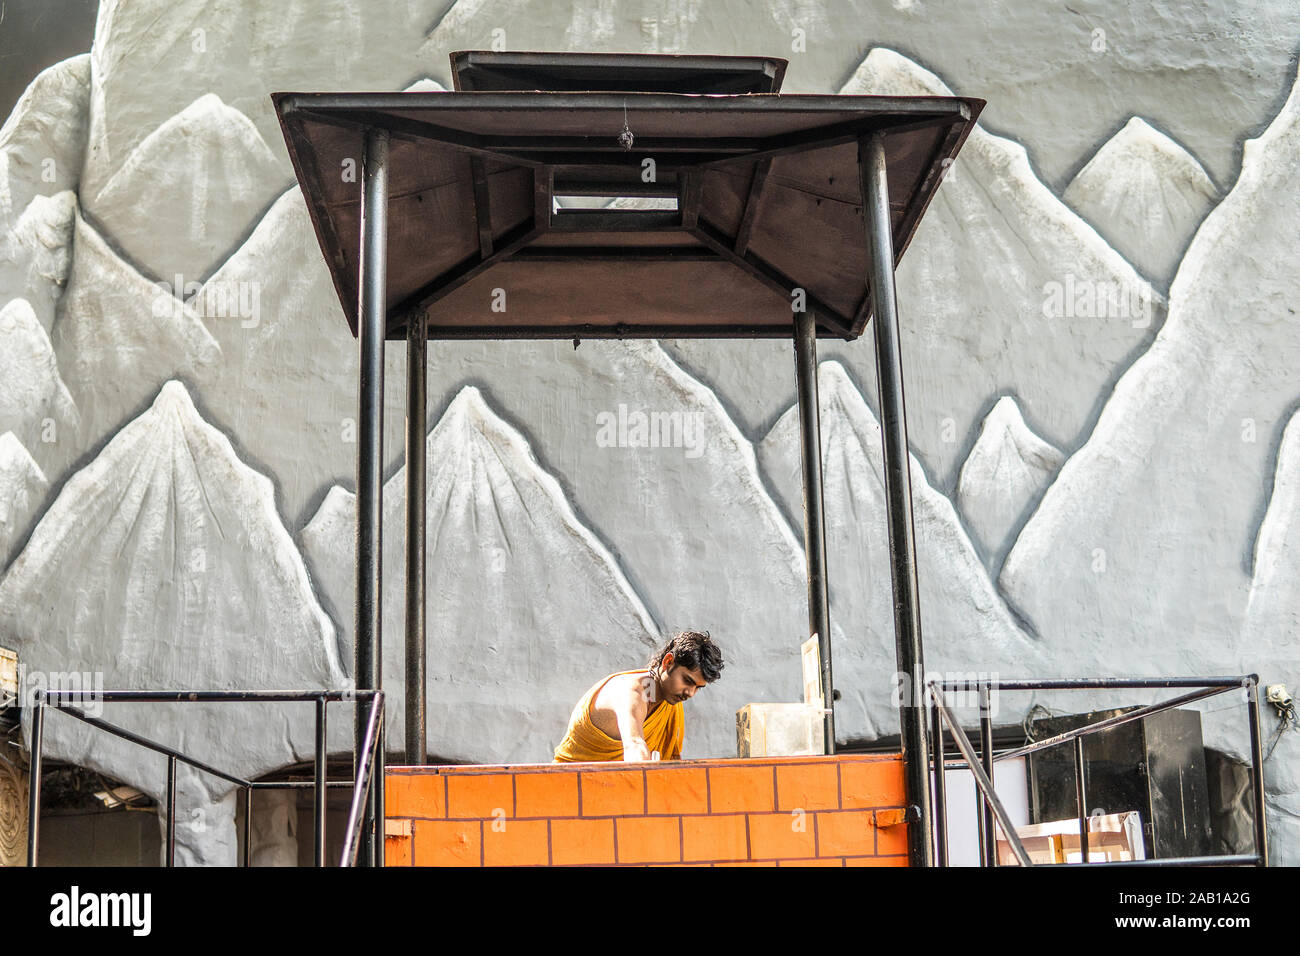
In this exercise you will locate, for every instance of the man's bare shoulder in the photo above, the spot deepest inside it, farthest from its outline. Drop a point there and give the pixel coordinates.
(621, 690)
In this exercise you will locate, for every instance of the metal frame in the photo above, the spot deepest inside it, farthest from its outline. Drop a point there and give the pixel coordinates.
(981, 767)
(364, 114)
(372, 701)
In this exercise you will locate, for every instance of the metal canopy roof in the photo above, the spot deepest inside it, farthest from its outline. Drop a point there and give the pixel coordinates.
(478, 70)
(767, 194)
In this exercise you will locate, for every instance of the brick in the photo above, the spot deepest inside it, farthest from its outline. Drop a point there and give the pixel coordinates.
(480, 796)
(747, 863)
(891, 839)
(714, 838)
(871, 783)
(774, 836)
(420, 795)
(612, 793)
(447, 843)
(397, 851)
(748, 789)
(582, 841)
(515, 843)
(808, 787)
(817, 861)
(648, 840)
(546, 794)
(677, 790)
(846, 833)
(876, 861)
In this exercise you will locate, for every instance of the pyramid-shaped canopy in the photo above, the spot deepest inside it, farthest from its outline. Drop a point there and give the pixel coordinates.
(761, 196)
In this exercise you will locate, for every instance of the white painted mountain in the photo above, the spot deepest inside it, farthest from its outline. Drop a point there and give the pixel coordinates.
(43, 141)
(965, 625)
(22, 488)
(163, 565)
(1269, 637)
(1144, 539)
(526, 608)
(36, 255)
(1003, 290)
(34, 402)
(119, 337)
(183, 198)
(242, 51)
(425, 84)
(286, 384)
(1146, 195)
(1273, 606)
(1002, 479)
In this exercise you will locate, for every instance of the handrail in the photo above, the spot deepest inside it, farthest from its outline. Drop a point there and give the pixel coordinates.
(982, 771)
(352, 834)
(69, 700)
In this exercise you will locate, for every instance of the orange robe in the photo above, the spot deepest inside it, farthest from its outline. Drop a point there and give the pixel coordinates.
(663, 730)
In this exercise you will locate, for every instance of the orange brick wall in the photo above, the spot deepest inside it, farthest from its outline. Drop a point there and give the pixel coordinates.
(844, 810)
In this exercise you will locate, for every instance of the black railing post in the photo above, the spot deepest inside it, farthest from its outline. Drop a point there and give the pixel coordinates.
(318, 802)
(417, 374)
(1081, 797)
(171, 811)
(1257, 769)
(248, 825)
(940, 787)
(986, 752)
(34, 778)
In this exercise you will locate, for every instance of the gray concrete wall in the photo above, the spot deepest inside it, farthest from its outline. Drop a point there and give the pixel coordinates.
(1100, 335)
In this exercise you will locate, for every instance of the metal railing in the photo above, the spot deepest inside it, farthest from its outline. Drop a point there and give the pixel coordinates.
(981, 767)
(68, 701)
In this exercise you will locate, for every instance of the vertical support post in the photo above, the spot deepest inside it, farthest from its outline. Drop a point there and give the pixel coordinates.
(371, 329)
(898, 492)
(986, 753)
(1257, 770)
(1081, 797)
(417, 375)
(34, 778)
(319, 806)
(248, 826)
(940, 789)
(171, 811)
(814, 525)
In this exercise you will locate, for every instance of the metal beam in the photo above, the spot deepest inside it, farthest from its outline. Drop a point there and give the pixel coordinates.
(417, 376)
(898, 492)
(814, 525)
(371, 309)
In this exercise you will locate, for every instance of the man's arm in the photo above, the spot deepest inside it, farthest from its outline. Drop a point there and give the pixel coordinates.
(630, 710)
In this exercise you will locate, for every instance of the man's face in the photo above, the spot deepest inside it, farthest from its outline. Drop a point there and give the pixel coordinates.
(679, 683)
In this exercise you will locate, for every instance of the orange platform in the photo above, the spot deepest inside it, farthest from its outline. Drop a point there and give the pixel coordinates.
(843, 810)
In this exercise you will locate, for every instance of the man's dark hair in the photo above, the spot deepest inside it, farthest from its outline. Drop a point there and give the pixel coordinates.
(692, 649)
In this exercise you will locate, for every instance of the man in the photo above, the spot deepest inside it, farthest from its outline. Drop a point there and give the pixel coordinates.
(638, 715)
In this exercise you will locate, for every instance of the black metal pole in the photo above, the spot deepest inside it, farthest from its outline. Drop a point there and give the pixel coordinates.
(320, 791)
(371, 330)
(248, 826)
(171, 811)
(898, 490)
(986, 752)
(940, 790)
(1257, 771)
(417, 376)
(34, 778)
(814, 524)
(1081, 797)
